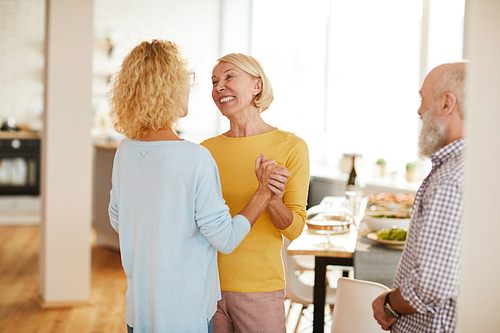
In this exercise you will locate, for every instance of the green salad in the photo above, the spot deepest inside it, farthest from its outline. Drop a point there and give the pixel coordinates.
(383, 216)
(393, 234)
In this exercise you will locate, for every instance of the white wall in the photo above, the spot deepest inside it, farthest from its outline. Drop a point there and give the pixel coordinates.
(193, 24)
(479, 298)
(21, 57)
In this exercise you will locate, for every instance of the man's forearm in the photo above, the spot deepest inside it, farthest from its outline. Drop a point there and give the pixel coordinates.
(399, 304)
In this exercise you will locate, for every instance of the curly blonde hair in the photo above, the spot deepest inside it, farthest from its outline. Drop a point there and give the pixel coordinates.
(253, 67)
(150, 90)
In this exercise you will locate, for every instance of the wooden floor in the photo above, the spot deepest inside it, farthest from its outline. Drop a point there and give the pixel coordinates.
(19, 310)
(21, 313)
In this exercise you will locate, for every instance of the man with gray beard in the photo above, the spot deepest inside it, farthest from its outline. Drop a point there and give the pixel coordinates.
(425, 289)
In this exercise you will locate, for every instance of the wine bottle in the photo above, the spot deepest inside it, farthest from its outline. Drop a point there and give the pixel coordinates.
(352, 176)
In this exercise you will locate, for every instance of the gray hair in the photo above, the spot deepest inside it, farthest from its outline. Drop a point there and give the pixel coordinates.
(453, 79)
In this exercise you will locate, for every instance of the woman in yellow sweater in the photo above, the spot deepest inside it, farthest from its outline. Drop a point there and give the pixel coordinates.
(252, 276)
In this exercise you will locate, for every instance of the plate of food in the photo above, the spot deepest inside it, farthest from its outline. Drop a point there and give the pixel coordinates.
(386, 201)
(386, 220)
(393, 238)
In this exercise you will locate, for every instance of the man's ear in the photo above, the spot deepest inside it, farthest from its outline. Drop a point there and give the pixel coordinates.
(448, 103)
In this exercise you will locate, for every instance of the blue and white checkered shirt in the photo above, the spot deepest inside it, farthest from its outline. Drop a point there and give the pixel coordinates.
(428, 271)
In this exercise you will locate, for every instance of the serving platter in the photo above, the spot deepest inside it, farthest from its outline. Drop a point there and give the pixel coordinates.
(387, 243)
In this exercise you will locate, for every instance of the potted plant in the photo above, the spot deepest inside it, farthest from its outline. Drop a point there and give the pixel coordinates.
(411, 171)
(382, 164)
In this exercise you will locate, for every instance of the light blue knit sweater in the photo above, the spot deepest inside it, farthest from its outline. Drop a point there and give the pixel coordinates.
(167, 206)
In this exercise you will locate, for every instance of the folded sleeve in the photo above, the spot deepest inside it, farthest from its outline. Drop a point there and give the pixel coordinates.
(113, 206)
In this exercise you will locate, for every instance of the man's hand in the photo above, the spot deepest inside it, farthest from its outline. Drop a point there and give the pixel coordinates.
(379, 314)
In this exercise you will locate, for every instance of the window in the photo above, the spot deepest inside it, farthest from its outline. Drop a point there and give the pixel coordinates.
(346, 74)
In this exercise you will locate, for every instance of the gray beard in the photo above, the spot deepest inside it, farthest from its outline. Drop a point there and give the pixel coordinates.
(432, 134)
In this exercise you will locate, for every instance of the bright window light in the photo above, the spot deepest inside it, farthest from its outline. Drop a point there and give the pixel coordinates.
(346, 74)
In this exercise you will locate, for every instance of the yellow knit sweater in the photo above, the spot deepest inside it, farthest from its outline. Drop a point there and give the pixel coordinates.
(256, 264)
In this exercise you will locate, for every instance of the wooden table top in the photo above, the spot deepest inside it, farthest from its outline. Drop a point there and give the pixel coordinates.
(306, 244)
(345, 244)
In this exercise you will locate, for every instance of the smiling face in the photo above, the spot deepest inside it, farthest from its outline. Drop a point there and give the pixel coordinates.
(234, 90)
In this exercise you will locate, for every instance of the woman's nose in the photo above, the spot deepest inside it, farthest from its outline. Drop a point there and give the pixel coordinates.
(220, 86)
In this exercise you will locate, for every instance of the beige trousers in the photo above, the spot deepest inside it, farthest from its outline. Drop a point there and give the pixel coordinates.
(250, 312)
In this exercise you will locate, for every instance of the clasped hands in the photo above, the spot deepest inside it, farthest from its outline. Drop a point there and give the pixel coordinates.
(271, 175)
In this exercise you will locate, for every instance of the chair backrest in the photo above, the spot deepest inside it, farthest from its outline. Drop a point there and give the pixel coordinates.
(295, 290)
(353, 310)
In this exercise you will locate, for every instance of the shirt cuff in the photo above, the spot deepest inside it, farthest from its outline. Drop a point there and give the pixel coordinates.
(409, 294)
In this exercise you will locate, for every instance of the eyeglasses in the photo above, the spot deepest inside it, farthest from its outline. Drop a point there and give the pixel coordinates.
(192, 78)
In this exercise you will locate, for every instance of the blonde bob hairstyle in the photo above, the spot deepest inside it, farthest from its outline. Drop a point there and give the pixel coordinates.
(253, 67)
(150, 90)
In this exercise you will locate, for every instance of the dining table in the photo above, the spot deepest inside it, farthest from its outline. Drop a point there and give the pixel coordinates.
(371, 261)
(341, 255)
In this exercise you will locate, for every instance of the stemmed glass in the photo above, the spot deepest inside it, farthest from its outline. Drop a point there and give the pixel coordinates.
(331, 222)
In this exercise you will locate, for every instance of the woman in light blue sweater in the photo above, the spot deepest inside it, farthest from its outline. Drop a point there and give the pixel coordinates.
(166, 201)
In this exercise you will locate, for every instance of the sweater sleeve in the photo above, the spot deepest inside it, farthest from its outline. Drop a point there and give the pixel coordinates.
(113, 205)
(297, 162)
(212, 214)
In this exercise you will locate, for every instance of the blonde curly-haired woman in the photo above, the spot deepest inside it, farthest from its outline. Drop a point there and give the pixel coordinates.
(166, 201)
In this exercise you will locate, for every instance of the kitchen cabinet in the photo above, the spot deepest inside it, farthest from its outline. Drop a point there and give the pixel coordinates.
(103, 166)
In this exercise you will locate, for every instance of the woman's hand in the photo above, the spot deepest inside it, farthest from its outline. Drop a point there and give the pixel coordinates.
(275, 182)
(264, 169)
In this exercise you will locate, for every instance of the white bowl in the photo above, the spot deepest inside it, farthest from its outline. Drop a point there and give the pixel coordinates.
(376, 223)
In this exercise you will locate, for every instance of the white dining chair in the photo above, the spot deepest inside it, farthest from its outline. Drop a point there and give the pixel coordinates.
(297, 291)
(353, 309)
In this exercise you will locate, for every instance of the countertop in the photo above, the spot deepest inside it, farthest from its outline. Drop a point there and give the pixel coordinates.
(107, 145)
(19, 135)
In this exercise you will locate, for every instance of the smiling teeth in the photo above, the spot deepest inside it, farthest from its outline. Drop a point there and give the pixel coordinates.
(226, 99)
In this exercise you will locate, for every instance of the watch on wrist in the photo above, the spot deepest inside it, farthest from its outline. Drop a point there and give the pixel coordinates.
(388, 309)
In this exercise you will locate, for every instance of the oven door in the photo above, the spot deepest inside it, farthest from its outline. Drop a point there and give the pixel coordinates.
(19, 167)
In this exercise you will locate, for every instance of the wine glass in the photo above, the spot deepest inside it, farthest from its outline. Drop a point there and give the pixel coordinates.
(334, 222)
